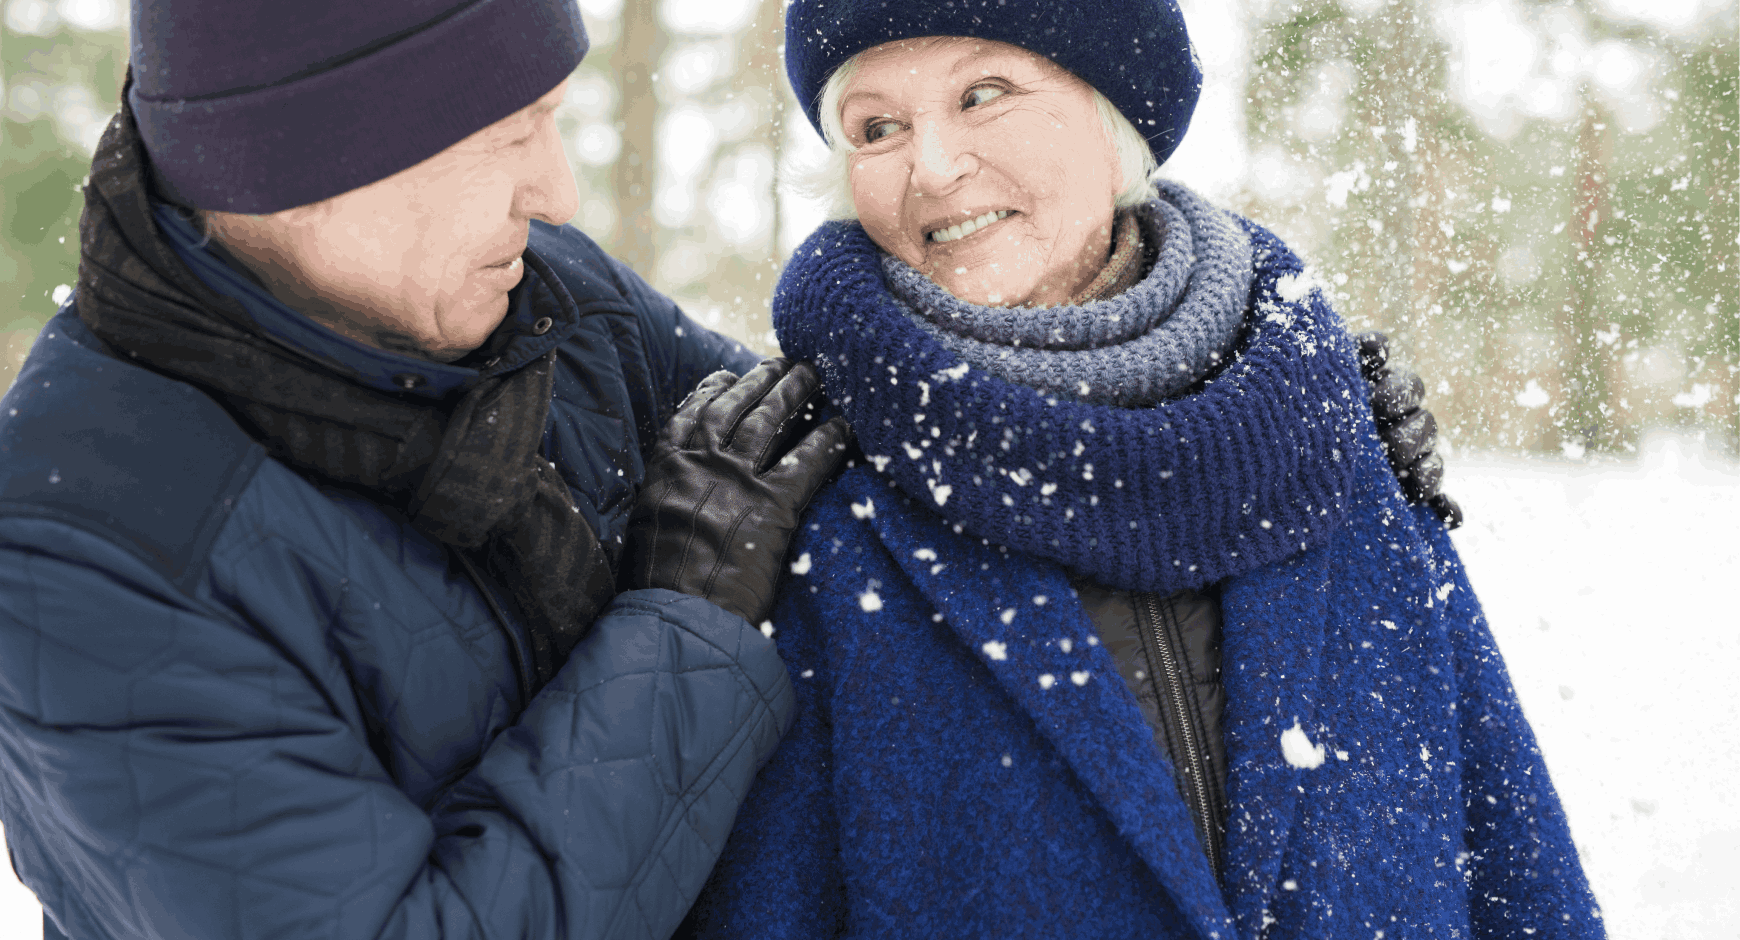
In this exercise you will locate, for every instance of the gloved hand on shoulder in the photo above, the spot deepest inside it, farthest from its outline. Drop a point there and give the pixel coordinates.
(726, 484)
(1408, 430)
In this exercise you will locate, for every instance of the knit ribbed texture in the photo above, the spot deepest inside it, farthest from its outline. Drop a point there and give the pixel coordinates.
(1126, 265)
(1153, 340)
(1241, 473)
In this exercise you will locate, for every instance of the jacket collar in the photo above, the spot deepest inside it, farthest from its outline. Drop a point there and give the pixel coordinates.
(513, 343)
(1019, 616)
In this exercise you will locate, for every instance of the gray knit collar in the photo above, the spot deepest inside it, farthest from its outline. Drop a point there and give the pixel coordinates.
(1152, 341)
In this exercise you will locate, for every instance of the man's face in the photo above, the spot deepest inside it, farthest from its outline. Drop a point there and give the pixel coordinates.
(420, 262)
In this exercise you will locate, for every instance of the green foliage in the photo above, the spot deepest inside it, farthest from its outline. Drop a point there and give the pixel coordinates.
(54, 90)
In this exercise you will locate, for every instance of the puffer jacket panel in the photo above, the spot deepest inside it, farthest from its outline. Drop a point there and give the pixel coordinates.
(1195, 618)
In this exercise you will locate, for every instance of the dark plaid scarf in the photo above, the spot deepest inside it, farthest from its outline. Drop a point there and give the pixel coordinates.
(467, 474)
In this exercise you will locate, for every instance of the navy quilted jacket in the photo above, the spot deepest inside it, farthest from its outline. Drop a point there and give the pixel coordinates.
(235, 704)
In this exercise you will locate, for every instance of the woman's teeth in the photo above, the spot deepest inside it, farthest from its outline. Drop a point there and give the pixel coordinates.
(968, 227)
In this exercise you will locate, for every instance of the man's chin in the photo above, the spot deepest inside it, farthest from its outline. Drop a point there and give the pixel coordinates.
(444, 355)
(475, 326)
(430, 348)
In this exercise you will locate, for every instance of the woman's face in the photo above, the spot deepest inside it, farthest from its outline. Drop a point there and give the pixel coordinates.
(999, 141)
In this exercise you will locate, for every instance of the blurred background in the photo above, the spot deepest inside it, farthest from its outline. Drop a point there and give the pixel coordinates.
(1537, 200)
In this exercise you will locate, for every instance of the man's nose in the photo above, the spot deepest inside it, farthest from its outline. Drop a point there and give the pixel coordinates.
(942, 163)
(547, 190)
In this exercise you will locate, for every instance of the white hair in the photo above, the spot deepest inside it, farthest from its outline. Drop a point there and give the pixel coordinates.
(831, 181)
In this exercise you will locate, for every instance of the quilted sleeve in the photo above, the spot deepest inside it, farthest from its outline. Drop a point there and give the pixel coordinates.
(1525, 880)
(780, 875)
(679, 351)
(168, 771)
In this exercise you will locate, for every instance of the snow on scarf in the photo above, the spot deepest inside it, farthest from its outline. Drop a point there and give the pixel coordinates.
(1146, 344)
(1244, 471)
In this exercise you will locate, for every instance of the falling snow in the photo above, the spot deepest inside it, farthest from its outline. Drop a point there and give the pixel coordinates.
(1298, 749)
(1538, 219)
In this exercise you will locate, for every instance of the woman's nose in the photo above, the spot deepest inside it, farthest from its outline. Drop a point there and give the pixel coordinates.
(942, 162)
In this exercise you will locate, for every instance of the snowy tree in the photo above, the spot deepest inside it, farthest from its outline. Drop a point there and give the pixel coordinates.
(1536, 199)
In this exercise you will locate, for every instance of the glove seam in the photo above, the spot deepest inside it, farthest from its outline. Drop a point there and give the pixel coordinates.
(719, 563)
(694, 532)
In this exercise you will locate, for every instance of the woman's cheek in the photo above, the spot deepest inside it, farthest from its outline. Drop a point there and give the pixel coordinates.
(878, 184)
(879, 194)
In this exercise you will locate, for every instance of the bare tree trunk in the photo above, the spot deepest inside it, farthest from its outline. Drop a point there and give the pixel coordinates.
(766, 66)
(638, 50)
(1587, 418)
(762, 81)
(1722, 183)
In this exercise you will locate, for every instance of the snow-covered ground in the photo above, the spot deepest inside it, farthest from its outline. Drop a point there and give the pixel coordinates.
(1604, 584)
(1612, 590)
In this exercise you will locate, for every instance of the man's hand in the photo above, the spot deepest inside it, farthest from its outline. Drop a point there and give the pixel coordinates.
(1409, 432)
(725, 486)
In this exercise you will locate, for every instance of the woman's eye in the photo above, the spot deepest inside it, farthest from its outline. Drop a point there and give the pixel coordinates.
(981, 94)
(876, 130)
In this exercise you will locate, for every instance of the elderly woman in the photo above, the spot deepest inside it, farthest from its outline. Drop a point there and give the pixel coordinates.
(1122, 627)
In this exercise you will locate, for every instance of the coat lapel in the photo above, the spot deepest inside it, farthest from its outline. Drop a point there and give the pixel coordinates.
(1020, 617)
(1275, 619)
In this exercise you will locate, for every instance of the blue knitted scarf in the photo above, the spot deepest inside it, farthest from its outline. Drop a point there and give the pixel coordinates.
(1244, 470)
(1152, 341)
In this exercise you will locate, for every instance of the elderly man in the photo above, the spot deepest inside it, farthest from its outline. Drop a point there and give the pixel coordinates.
(316, 498)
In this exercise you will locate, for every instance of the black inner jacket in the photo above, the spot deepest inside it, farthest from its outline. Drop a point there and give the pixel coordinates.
(1168, 651)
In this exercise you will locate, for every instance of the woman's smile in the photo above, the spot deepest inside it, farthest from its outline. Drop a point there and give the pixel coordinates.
(973, 226)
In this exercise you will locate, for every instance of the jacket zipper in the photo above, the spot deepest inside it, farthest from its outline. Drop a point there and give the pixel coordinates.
(1185, 730)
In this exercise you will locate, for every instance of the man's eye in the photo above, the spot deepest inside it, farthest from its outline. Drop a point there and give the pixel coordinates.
(980, 94)
(876, 130)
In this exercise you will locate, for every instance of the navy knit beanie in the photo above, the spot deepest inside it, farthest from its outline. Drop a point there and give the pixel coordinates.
(262, 105)
(1135, 52)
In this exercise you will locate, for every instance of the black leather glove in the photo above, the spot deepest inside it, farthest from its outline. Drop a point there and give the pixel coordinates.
(726, 484)
(1409, 432)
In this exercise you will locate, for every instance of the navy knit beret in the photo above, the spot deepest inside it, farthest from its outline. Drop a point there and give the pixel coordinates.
(262, 105)
(1135, 52)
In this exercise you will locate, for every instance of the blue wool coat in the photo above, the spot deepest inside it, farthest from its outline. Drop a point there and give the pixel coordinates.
(967, 762)
(236, 704)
